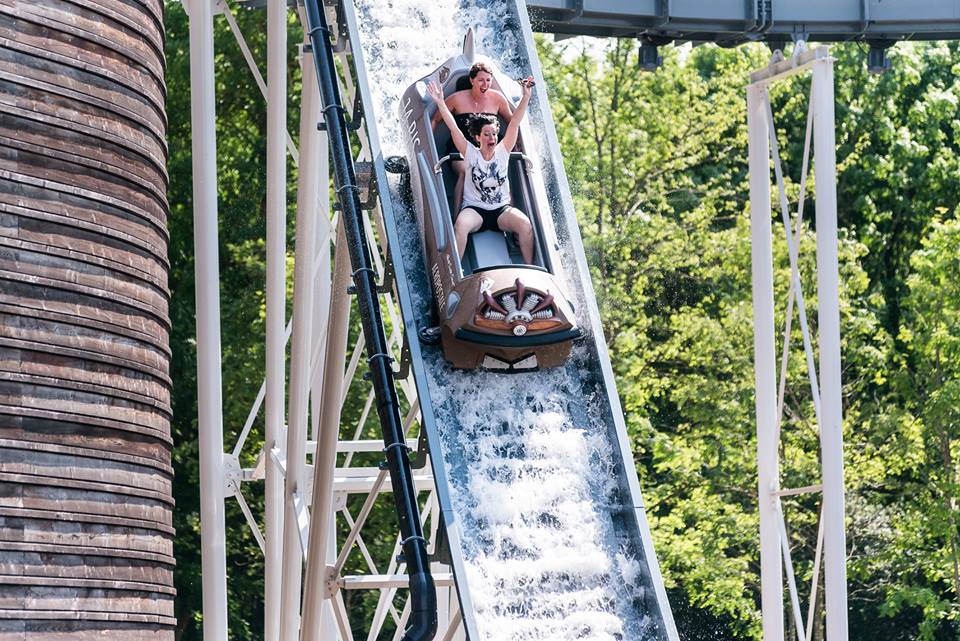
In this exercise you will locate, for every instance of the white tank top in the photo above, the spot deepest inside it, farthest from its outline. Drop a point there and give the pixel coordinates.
(487, 185)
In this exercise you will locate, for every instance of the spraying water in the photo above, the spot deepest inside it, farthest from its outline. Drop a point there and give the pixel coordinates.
(533, 479)
(533, 473)
(406, 39)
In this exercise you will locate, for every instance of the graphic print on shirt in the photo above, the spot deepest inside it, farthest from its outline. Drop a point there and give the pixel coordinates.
(488, 183)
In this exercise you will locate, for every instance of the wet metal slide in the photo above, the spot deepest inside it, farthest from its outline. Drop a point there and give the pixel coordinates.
(547, 534)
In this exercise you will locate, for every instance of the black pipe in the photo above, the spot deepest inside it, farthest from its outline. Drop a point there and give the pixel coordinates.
(423, 594)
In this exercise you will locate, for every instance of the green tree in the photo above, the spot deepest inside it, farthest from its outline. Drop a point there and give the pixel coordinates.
(898, 136)
(657, 163)
(928, 519)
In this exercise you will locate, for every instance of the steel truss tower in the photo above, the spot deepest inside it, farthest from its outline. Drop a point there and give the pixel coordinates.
(825, 389)
(304, 494)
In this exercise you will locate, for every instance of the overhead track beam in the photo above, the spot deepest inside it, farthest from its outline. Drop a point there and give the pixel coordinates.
(736, 21)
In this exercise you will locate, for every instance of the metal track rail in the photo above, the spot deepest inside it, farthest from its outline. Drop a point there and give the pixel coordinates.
(423, 610)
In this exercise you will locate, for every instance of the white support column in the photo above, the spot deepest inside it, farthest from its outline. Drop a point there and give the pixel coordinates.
(771, 570)
(276, 308)
(323, 303)
(207, 276)
(300, 353)
(321, 314)
(831, 428)
(325, 462)
(328, 621)
(314, 189)
(322, 277)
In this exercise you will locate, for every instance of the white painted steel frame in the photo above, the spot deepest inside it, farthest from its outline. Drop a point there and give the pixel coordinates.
(318, 382)
(274, 462)
(825, 390)
(206, 261)
(276, 302)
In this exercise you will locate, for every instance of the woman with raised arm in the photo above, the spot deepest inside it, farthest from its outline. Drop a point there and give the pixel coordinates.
(481, 99)
(486, 191)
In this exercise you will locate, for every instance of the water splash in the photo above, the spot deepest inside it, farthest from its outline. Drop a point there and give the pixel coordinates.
(534, 483)
(402, 40)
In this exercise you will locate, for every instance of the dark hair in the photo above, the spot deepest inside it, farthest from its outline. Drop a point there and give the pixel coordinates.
(479, 121)
(477, 68)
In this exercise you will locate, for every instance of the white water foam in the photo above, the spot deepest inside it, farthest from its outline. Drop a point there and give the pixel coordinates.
(534, 483)
(532, 467)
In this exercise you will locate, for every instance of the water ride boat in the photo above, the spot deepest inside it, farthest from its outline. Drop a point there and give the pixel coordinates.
(494, 310)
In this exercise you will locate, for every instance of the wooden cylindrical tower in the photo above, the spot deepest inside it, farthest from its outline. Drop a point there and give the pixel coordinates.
(85, 477)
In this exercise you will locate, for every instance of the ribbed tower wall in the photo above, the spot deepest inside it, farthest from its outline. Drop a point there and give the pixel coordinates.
(86, 537)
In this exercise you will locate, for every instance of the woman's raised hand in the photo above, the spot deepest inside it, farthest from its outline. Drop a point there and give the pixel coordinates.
(435, 91)
(527, 84)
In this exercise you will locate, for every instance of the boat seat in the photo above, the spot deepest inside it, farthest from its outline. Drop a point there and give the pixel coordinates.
(485, 249)
(513, 247)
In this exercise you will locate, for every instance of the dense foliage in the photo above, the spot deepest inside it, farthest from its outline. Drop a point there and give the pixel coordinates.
(658, 166)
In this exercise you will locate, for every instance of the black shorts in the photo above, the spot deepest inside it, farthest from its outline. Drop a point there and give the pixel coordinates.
(489, 216)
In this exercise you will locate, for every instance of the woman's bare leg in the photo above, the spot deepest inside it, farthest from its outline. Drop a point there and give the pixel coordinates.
(513, 220)
(468, 221)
